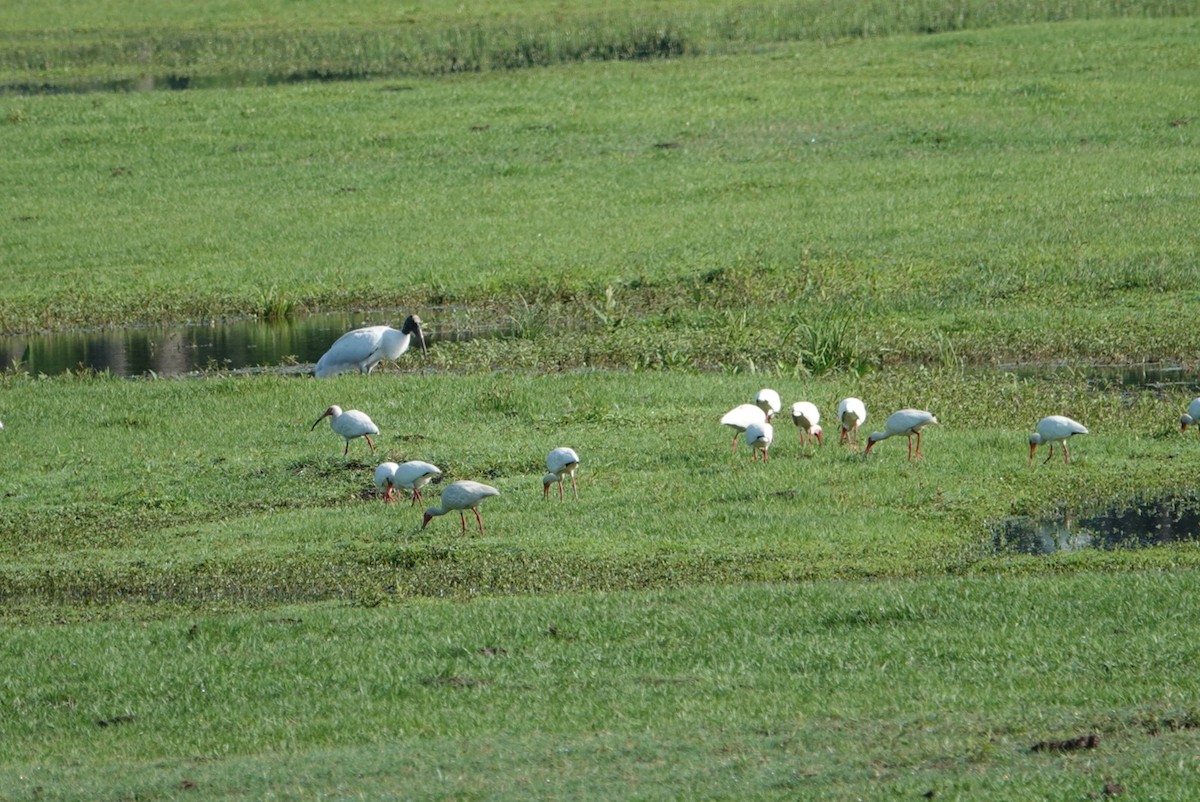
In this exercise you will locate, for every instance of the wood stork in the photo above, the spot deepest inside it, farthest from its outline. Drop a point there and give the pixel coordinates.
(462, 495)
(852, 413)
(1054, 429)
(560, 462)
(741, 417)
(1187, 419)
(769, 402)
(807, 418)
(349, 424)
(363, 349)
(412, 475)
(759, 437)
(906, 422)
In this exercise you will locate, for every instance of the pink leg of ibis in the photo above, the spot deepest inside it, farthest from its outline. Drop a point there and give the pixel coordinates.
(1049, 456)
(477, 518)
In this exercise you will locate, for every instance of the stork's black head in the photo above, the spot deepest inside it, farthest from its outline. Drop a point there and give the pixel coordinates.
(412, 326)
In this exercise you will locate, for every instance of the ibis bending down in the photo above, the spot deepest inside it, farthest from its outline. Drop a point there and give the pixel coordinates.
(349, 424)
(769, 402)
(759, 437)
(852, 413)
(740, 417)
(412, 475)
(462, 495)
(363, 349)
(1054, 429)
(1187, 419)
(560, 462)
(906, 422)
(807, 418)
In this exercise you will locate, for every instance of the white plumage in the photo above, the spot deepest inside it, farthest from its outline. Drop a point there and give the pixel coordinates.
(363, 349)
(852, 413)
(1187, 419)
(384, 480)
(560, 462)
(350, 424)
(412, 475)
(759, 437)
(807, 418)
(1054, 429)
(462, 495)
(769, 402)
(741, 417)
(907, 422)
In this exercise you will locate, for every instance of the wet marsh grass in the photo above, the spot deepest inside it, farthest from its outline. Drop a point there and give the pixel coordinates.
(215, 490)
(984, 195)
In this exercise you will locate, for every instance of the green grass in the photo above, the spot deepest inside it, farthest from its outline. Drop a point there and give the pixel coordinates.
(819, 690)
(215, 491)
(71, 45)
(202, 598)
(1006, 194)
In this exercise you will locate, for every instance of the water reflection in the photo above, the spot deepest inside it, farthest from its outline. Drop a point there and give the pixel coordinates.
(176, 350)
(1135, 525)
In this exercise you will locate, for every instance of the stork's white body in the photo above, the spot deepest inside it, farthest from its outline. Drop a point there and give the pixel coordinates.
(759, 437)
(907, 422)
(769, 402)
(852, 413)
(1187, 419)
(363, 349)
(462, 495)
(560, 462)
(807, 418)
(350, 424)
(741, 417)
(1054, 429)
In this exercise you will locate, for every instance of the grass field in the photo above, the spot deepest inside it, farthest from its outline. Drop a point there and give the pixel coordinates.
(1022, 193)
(203, 599)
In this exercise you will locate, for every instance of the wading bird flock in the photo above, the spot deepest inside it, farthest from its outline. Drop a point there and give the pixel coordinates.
(754, 421)
(363, 349)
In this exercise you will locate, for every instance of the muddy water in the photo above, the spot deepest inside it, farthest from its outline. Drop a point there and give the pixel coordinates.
(1132, 525)
(290, 345)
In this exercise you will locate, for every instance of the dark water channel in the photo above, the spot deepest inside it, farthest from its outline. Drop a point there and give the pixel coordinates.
(1133, 525)
(287, 345)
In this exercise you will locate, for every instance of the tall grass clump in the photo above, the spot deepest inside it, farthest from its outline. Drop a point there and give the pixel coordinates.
(200, 44)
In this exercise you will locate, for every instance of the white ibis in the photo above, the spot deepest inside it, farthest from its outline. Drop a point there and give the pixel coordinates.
(384, 480)
(363, 349)
(412, 475)
(906, 422)
(768, 401)
(807, 418)
(852, 413)
(1187, 419)
(349, 424)
(560, 462)
(740, 417)
(1054, 429)
(462, 495)
(759, 437)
